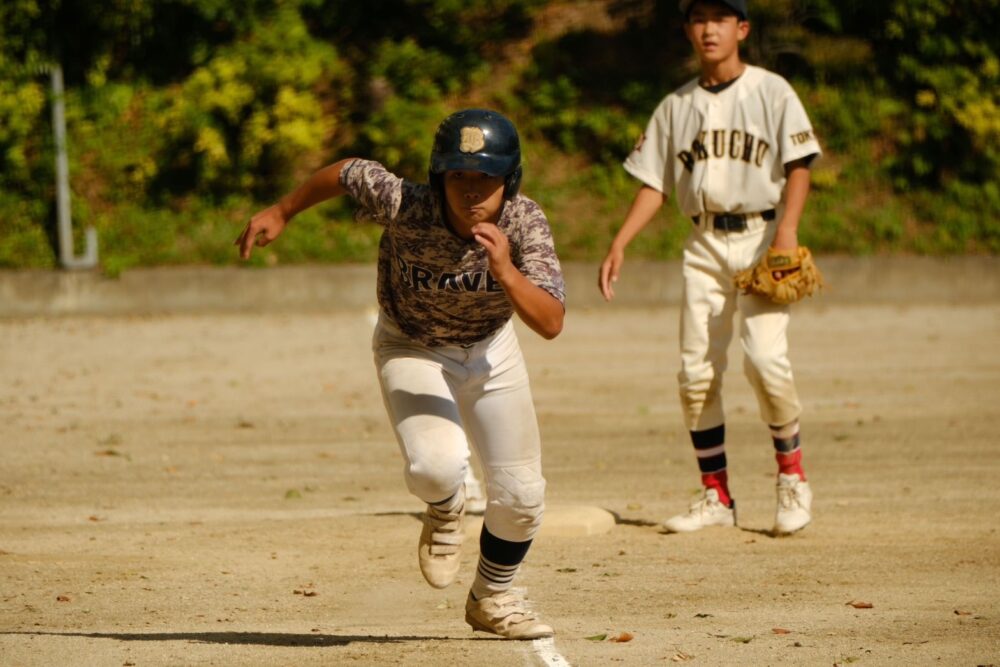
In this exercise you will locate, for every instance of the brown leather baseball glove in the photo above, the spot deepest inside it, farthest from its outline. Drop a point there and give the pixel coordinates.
(783, 276)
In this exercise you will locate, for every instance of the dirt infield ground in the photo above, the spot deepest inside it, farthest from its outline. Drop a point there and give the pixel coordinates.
(224, 490)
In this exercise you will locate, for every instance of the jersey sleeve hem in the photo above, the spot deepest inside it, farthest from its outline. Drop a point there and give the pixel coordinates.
(811, 152)
(556, 293)
(644, 175)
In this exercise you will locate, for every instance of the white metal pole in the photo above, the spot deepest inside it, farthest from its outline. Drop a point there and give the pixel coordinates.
(64, 221)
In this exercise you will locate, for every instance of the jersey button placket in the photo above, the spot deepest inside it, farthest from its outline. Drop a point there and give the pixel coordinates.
(717, 172)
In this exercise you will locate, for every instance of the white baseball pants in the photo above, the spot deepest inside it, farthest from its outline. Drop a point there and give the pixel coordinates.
(711, 259)
(442, 399)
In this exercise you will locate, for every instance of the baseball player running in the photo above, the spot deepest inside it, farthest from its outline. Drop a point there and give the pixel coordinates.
(735, 144)
(457, 259)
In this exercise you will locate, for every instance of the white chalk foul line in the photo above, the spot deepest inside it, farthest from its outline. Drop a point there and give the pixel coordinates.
(545, 649)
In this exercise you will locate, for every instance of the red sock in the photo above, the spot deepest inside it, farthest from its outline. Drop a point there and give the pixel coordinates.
(720, 482)
(790, 464)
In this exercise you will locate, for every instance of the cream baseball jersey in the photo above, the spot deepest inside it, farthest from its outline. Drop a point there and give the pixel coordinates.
(725, 152)
(434, 285)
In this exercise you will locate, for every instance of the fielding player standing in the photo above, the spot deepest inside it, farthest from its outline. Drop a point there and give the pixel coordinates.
(457, 259)
(735, 145)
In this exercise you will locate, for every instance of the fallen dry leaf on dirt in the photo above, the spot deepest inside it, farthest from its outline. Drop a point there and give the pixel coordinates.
(63, 598)
(596, 638)
(681, 656)
(623, 637)
(858, 604)
(781, 631)
(959, 612)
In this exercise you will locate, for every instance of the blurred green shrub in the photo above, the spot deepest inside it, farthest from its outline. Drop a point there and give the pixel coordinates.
(944, 59)
(184, 116)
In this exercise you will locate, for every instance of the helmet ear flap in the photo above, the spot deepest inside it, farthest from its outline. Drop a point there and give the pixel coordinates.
(512, 183)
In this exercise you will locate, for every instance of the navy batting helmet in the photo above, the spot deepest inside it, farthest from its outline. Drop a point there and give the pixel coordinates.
(478, 140)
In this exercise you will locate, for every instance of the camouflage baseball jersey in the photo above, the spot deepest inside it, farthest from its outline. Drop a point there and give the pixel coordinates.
(435, 285)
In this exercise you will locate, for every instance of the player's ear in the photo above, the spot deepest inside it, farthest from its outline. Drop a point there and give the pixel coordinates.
(742, 29)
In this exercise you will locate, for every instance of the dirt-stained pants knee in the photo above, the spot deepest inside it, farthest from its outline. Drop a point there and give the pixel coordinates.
(710, 302)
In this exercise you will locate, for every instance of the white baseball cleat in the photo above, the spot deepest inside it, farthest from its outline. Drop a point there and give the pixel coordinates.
(704, 512)
(794, 502)
(505, 614)
(440, 548)
(475, 498)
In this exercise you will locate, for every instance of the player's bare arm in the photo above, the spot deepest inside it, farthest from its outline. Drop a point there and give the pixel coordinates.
(796, 191)
(265, 226)
(645, 205)
(541, 311)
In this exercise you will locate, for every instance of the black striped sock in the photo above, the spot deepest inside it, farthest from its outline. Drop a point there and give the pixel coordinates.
(499, 561)
(788, 449)
(709, 447)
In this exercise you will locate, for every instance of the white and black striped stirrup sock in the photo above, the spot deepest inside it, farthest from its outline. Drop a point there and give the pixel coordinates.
(492, 578)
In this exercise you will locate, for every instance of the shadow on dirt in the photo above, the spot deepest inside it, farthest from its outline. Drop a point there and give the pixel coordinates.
(252, 638)
(621, 521)
(645, 523)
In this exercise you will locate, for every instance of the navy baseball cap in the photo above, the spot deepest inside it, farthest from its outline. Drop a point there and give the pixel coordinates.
(738, 6)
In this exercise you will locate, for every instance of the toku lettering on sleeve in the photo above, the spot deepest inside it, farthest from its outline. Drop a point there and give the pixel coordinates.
(800, 138)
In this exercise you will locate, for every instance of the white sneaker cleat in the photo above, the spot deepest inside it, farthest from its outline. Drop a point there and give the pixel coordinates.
(506, 614)
(440, 548)
(475, 497)
(704, 512)
(794, 501)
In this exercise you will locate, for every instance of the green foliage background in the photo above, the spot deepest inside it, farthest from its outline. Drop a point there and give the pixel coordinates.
(185, 116)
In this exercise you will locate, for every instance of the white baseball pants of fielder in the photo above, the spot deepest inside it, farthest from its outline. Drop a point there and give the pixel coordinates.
(710, 301)
(442, 399)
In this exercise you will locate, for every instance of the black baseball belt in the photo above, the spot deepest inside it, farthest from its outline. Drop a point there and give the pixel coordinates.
(734, 222)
